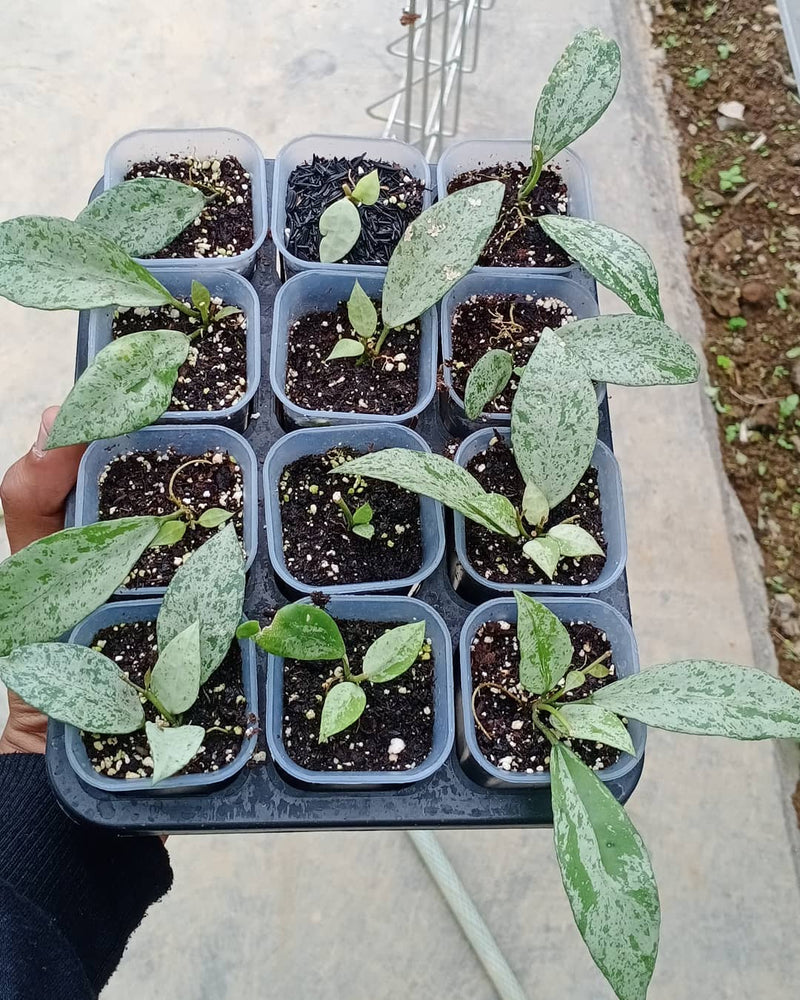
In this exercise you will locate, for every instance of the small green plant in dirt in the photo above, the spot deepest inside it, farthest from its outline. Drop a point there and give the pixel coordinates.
(53, 263)
(307, 632)
(699, 78)
(605, 867)
(54, 583)
(554, 421)
(340, 223)
(730, 179)
(359, 521)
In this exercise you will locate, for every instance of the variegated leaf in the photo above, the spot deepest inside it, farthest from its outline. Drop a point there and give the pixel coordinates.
(574, 541)
(172, 748)
(302, 632)
(545, 552)
(591, 722)
(344, 705)
(545, 648)
(175, 679)
(392, 653)
(488, 378)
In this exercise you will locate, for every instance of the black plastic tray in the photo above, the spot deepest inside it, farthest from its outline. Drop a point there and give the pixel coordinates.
(259, 798)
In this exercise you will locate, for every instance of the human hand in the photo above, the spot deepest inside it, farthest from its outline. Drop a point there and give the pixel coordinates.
(33, 493)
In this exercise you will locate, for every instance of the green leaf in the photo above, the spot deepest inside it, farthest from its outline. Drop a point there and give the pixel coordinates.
(486, 381)
(175, 679)
(580, 87)
(302, 632)
(597, 670)
(346, 348)
(574, 541)
(214, 517)
(55, 582)
(545, 552)
(607, 876)
(169, 533)
(707, 698)
(364, 531)
(50, 263)
(340, 225)
(591, 722)
(437, 249)
(201, 300)
(362, 514)
(631, 350)
(143, 215)
(441, 479)
(248, 630)
(535, 507)
(75, 684)
(344, 704)
(128, 385)
(393, 652)
(367, 189)
(573, 680)
(553, 420)
(224, 312)
(545, 648)
(361, 312)
(209, 588)
(617, 261)
(172, 748)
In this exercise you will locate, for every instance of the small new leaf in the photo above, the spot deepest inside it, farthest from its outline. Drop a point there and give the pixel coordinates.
(573, 680)
(535, 507)
(393, 652)
(545, 552)
(368, 189)
(340, 225)
(172, 749)
(343, 706)
(224, 312)
(169, 533)
(362, 514)
(591, 722)
(201, 300)
(364, 531)
(175, 679)
(488, 378)
(302, 632)
(545, 648)
(214, 517)
(361, 312)
(574, 541)
(346, 348)
(248, 630)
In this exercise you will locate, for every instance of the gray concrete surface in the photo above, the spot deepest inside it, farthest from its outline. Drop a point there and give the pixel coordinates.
(354, 915)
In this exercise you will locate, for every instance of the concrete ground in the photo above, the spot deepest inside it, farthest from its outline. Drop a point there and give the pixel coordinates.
(355, 915)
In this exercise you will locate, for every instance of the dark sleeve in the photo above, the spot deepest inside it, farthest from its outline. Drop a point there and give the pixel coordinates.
(70, 896)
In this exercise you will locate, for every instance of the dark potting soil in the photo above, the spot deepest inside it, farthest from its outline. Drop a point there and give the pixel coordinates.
(313, 186)
(499, 558)
(221, 702)
(395, 731)
(319, 548)
(511, 323)
(137, 484)
(386, 384)
(225, 226)
(214, 376)
(518, 240)
(515, 744)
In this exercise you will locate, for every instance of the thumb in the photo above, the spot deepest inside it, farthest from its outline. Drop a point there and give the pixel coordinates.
(34, 489)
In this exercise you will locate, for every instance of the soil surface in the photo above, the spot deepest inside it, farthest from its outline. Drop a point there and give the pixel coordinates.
(386, 384)
(319, 548)
(313, 186)
(515, 744)
(499, 558)
(518, 240)
(510, 323)
(221, 702)
(743, 232)
(225, 226)
(398, 712)
(137, 484)
(214, 376)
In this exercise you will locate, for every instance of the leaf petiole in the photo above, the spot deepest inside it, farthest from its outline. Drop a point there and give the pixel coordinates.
(533, 176)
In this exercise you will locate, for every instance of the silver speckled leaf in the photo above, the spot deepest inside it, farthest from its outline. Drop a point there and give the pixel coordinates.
(175, 678)
(172, 748)
(591, 722)
(392, 653)
(302, 632)
(343, 705)
(545, 648)
(488, 378)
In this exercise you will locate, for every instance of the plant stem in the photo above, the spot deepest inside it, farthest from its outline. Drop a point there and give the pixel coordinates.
(522, 529)
(171, 488)
(186, 310)
(146, 693)
(347, 514)
(384, 334)
(533, 176)
(348, 676)
(548, 733)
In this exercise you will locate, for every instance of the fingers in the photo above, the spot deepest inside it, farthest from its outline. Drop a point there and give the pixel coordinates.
(26, 730)
(34, 489)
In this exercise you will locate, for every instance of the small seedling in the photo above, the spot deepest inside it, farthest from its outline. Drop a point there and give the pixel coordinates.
(700, 76)
(363, 318)
(724, 362)
(340, 223)
(709, 11)
(737, 323)
(724, 50)
(306, 632)
(729, 179)
(359, 521)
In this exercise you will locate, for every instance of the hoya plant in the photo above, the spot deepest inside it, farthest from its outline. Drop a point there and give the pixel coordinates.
(57, 581)
(604, 863)
(554, 422)
(54, 263)
(307, 632)
(340, 223)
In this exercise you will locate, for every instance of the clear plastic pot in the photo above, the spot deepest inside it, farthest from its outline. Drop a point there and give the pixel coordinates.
(322, 291)
(147, 610)
(582, 609)
(383, 609)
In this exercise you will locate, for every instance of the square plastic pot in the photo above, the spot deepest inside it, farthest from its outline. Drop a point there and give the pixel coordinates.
(361, 438)
(186, 440)
(511, 281)
(463, 156)
(301, 151)
(613, 513)
(206, 143)
(389, 609)
(322, 291)
(626, 662)
(147, 610)
(234, 290)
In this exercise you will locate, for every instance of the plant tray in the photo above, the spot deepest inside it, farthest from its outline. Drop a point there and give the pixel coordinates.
(259, 798)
